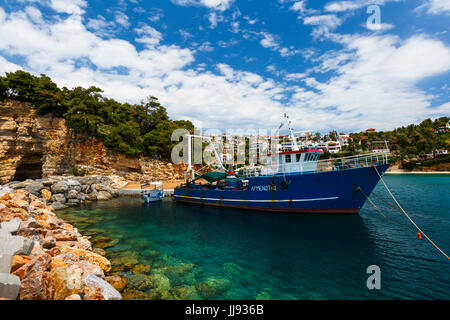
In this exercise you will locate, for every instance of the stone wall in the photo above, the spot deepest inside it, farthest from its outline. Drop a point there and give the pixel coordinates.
(33, 146)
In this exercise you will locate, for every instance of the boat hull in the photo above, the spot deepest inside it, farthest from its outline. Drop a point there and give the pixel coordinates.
(332, 192)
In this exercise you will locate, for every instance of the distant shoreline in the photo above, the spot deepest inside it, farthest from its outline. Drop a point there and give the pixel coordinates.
(417, 172)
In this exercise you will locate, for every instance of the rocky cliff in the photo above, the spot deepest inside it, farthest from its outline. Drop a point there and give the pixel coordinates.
(33, 146)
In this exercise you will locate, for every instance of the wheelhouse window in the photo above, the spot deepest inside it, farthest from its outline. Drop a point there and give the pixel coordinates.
(298, 157)
(288, 158)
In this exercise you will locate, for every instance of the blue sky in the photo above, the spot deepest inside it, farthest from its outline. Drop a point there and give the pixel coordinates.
(241, 64)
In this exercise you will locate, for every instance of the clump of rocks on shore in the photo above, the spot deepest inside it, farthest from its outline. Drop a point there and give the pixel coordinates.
(41, 256)
(61, 191)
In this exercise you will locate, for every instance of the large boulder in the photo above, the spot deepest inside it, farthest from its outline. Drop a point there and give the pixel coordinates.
(49, 241)
(4, 190)
(86, 255)
(67, 281)
(6, 260)
(11, 226)
(60, 187)
(72, 194)
(46, 194)
(58, 206)
(36, 282)
(35, 188)
(9, 286)
(107, 290)
(59, 197)
(104, 195)
(16, 245)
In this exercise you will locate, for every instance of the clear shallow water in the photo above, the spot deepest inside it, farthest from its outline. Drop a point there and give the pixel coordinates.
(201, 252)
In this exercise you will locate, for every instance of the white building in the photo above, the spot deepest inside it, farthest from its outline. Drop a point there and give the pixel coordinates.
(344, 139)
(333, 146)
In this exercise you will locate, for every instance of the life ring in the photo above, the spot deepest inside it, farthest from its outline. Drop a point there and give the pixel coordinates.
(273, 185)
(284, 185)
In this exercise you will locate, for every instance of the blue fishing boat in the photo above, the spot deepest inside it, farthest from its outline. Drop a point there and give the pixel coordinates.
(291, 181)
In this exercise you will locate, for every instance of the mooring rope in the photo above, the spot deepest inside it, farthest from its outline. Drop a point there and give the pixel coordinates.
(404, 212)
(365, 195)
(386, 202)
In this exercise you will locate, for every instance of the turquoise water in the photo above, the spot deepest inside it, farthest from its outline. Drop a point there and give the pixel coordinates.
(209, 253)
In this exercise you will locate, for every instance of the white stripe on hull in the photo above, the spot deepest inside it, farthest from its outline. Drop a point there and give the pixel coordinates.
(243, 200)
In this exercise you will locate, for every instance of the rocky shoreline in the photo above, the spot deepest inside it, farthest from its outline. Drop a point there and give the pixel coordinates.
(61, 192)
(42, 257)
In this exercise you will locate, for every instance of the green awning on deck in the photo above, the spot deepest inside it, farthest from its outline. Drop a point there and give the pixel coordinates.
(212, 176)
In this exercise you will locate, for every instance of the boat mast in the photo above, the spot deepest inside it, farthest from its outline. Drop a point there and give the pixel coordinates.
(189, 151)
(291, 133)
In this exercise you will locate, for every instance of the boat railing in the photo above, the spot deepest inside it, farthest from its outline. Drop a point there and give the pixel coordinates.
(343, 163)
(352, 162)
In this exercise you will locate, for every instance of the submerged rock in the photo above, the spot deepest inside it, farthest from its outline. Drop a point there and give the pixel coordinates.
(132, 294)
(186, 293)
(212, 287)
(160, 294)
(100, 252)
(117, 281)
(178, 270)
(160, 281)
(141, 269)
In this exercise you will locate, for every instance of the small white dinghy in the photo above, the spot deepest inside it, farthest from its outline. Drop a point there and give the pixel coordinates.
(154, 193)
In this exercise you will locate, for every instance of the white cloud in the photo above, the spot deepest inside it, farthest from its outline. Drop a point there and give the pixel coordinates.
(323, 23)
(6, 66)
(300, 7)
(122, 19)
(329, 21)
(268, 40)
(376, 79)
(102, 27)
(227, 44)
(220, 5)
(341, 6)
(212, 18)
(34, 14)
(206, 46)
(68, 6)
(148, 35)
(379, 26)
(156, 14)
(372, 81)
(435, 6)
(184, 34)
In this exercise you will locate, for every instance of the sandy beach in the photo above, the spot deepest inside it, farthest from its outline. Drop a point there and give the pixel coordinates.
(170, 184)
(417, 172)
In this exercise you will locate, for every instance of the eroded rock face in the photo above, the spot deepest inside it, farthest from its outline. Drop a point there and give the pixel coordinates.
(30, 146)
(33, 147)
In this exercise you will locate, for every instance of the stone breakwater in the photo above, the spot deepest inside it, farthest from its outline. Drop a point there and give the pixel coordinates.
(61, 191)
(42, 257)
